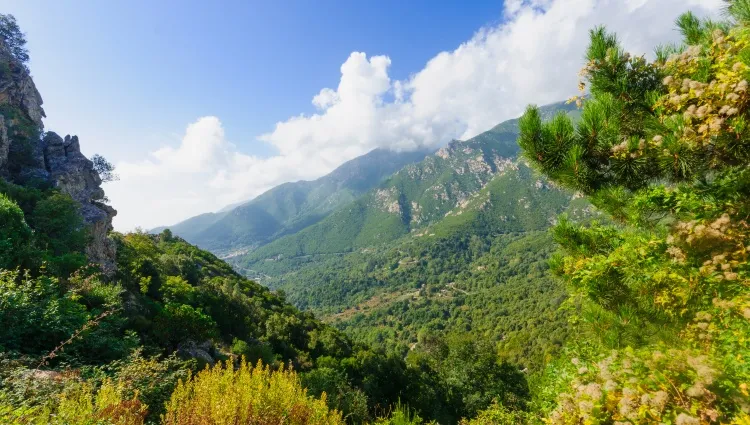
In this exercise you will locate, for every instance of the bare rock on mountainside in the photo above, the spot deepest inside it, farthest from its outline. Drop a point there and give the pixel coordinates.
(25, 156)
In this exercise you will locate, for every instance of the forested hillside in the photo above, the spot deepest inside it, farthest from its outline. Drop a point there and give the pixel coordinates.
(585, 264)
(98, 327)
(291, 206)
(466, 253)
(417, 195)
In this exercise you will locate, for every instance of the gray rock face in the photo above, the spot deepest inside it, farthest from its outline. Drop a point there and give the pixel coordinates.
(17, 88)
(202, 352)
(53, 159)
(4, 143)
(74, 174)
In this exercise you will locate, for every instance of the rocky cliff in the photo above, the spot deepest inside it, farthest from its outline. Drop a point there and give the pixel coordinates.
(28, 155)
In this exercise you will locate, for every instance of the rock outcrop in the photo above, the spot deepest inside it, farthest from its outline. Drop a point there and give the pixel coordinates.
(203, 352)
(27, 154)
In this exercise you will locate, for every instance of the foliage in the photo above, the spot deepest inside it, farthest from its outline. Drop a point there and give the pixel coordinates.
(339, 392)
(497, 414)
(180, 322)
(150, 379)
(104, 168)
(400, 415)
(13, 38)
(662, 147)
(225, 395)
(80, 404)
(15, 234)
(36, 314)
(58, 225)
(470, 374)
(56, 236)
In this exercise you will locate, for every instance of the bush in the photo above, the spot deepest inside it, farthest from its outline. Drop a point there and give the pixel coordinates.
(662, 147)
(352, 402)
(58, 225)
(15, 234)
(177, 323)
(176, 290)
(401, 415)
(253, 352)
(80, 404)
(247, 395)
(150, 379)
(497, 414)
(36, 313)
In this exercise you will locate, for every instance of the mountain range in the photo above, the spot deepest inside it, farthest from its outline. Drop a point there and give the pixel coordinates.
(400, 254)
(290, 207)
(457, 242)
(370, 199)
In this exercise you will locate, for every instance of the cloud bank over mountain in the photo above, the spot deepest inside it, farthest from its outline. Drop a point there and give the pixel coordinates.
(532, 56)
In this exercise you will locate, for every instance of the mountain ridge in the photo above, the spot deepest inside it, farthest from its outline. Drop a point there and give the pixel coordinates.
(290, 206)
(414, 196)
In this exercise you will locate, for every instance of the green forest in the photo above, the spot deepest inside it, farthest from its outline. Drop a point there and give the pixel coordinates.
(595, 272)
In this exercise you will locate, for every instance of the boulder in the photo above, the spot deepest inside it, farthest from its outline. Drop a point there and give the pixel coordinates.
(201, 352)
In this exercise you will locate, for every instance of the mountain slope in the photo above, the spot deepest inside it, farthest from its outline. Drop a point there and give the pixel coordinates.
(291, 206)
(417, 195)
(481, 269)
(455, 243)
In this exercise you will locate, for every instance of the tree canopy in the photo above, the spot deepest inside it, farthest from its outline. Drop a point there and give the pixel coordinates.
(13, 38)
(663, 147)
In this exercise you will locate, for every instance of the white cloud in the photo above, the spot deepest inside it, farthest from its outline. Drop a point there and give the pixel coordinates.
(532, 57)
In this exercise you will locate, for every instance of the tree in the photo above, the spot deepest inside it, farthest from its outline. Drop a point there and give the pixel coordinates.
(663, 148)
(13, 38)
(104, 168)
(58, 225)
(15, 234)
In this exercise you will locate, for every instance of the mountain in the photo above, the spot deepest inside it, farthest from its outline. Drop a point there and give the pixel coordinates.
(81, 346)
(417, 195)
(290, 207)
(457, 242)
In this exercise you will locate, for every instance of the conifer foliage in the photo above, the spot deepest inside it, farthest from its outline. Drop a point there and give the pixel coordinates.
(663, 146)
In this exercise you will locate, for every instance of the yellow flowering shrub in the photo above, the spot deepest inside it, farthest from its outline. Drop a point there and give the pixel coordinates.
(223, 395)
(80, 404)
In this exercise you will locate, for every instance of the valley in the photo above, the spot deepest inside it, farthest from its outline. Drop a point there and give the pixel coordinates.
(583, 264)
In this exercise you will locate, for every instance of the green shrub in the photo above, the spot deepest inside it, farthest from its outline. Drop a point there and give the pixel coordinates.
(340, 395)
(36, 313)
(662, 147)
(15, 234)
(58, 225)
(401, 415)
(177, 323)
(497, 414)
(177, 290)
(150, 379)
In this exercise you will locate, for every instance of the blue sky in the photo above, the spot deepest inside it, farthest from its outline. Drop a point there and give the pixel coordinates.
(132, 72)
(204, 104)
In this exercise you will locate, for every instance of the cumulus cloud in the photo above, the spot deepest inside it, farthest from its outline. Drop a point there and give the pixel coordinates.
(203, 172)
(533, 56)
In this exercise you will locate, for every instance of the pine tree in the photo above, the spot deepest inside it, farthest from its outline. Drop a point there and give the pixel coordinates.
(13, 38)
(662, 147)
